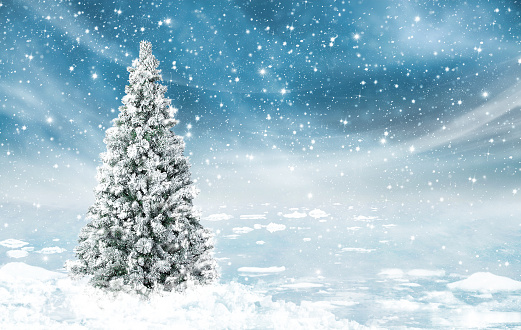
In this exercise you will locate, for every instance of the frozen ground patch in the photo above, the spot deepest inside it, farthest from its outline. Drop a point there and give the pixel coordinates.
(51, 250)
(484, 318)
(218, 217)
(302, 285)
(354, 249)
(426, 273)
(398, 273)
(295, 215)
(253, 217)
(273, 227)
(242, 230)
(51, 300)
(317, 214)
(364, 218)
(262, 269)
(391, 273)
(16, 254)
(400, 305)
(13, 243)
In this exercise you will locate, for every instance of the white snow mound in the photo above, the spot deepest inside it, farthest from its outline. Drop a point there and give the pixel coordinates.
(317, 213)
(295, 215)
(242, 230)
(262, 269)
(364, 218)
(19, 271)
(273, 227)
(16, 254)
(51, 302)
(13, 243)
(253, 217)
(486, 282)
(218, 217)
(51, 250)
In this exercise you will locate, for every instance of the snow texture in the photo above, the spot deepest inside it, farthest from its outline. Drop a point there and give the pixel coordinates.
(253, 217)
(16, 254)
(364, 218)
(302, 285)
(34, 298)
(242, 230)
(425, 273)
(218, 217)
(13, 243)
(391, 272)
(262, 269)
(487, 283)
(15, 272)
(273, 227)
(51, 250)
(295, 215)
(317, 214)
(353, 249)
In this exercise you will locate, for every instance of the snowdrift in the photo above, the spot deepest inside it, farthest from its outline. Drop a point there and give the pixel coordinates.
(32, 297)
(486, 282)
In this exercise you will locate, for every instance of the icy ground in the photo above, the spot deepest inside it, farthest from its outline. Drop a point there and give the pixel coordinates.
(332, 266)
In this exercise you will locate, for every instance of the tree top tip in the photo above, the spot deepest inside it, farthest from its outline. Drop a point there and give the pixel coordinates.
(145, 49)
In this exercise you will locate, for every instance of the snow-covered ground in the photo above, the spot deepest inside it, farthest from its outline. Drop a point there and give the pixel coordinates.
(35, 298)
(333, 266)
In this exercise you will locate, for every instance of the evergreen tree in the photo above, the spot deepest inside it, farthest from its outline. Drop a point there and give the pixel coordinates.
(143, 231)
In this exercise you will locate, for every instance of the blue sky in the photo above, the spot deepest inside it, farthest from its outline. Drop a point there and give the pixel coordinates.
(290, 101)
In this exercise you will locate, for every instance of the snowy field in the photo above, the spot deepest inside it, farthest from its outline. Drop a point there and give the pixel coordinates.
(33, 297)
(340, 266)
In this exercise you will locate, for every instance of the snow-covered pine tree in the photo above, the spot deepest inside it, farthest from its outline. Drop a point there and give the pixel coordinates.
(143, 232)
